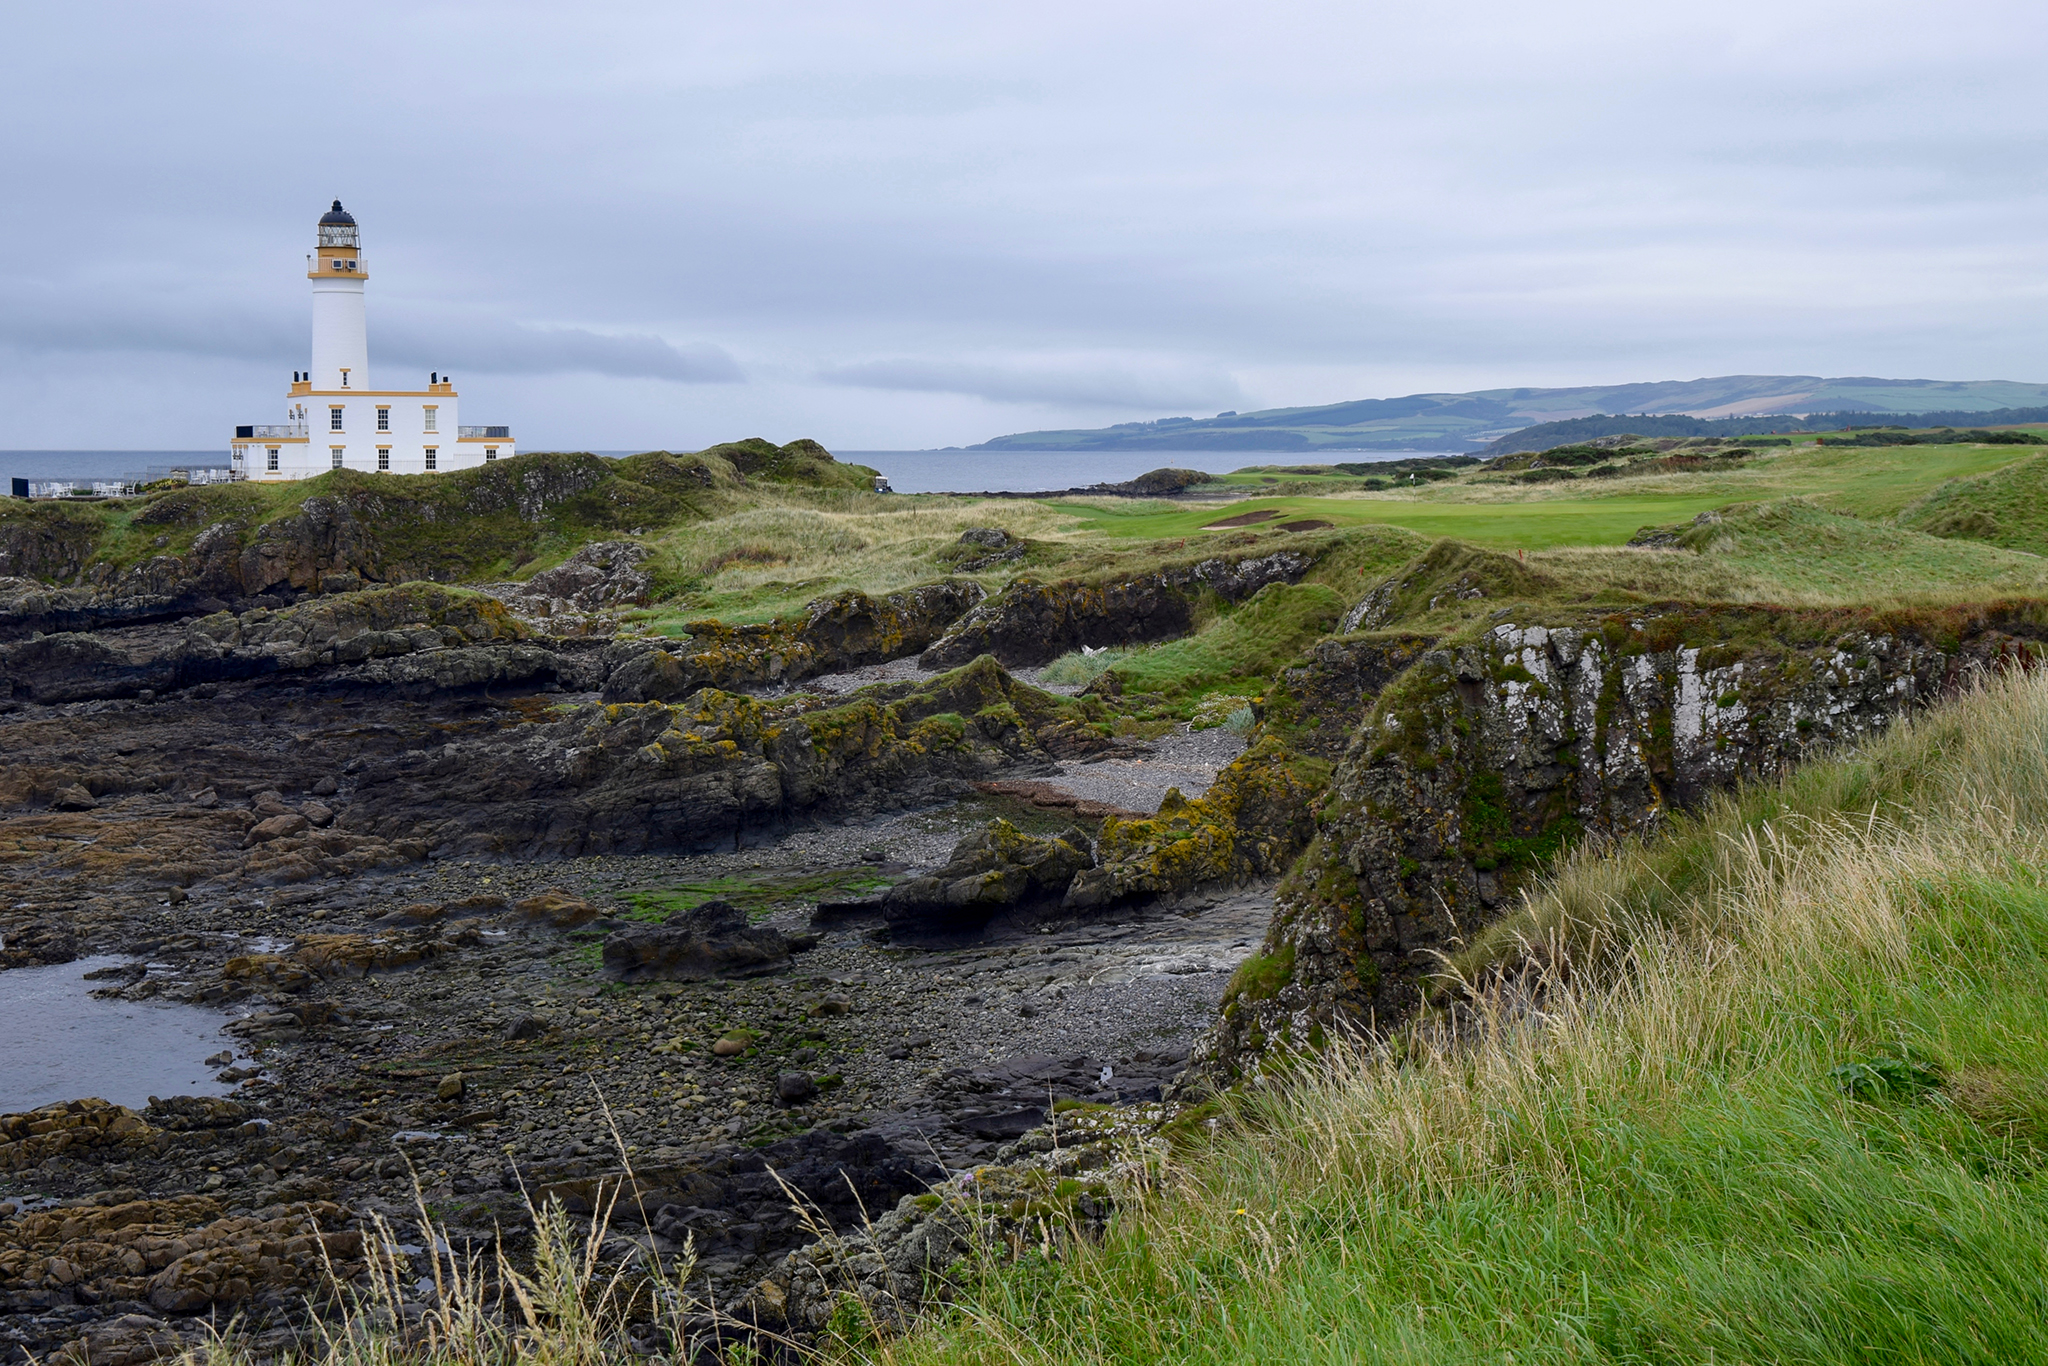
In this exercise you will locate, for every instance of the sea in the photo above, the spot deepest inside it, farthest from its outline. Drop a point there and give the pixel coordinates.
(57, 1042)
(945, 471)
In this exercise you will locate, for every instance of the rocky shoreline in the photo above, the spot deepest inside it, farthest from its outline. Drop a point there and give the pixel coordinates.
(397, 1008)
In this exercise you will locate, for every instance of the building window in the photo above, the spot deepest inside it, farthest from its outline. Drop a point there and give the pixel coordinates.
(344, 377)
(432, 413)
(431, 453)
(490, 452)
(335, 451)
(383, 419)
(383, 457)
(334, 419)
(270, 458)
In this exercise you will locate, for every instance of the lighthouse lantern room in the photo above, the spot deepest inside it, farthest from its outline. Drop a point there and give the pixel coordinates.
(335, 418)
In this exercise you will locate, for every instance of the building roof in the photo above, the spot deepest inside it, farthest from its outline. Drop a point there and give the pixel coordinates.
(337, 215)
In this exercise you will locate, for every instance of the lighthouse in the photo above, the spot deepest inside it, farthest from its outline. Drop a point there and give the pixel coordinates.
(334, 418)
(341, 336)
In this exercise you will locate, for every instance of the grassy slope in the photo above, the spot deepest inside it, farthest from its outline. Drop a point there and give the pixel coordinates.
(1796, 553)
(1240, 650)
(1671, 1169)
(2008, 507)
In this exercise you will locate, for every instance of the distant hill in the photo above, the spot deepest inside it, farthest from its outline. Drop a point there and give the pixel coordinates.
(1461, 422)
(1545, 435)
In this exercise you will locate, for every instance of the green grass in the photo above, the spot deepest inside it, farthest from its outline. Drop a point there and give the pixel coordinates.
(2008, 508)
(1797, 553)
(1798, 1115)
(1239, 650)
(1867, 482)
(1520, 525)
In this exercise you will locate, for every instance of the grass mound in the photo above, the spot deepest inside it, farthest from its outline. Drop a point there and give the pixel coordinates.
(1775, 1088)
(2007, 508)
(1795, 550)
(1244, 647)
(800, 462)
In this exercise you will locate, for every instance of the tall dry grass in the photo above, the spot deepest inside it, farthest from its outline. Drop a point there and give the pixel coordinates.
(1637, 1146)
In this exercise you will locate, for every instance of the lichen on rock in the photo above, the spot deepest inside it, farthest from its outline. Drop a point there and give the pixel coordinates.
(1250, 823)
(844, 631)
(1494, 752)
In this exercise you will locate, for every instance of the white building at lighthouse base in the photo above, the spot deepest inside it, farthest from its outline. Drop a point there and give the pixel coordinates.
(391, 431)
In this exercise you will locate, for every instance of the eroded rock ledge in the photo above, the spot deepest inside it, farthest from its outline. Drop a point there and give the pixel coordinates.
(845, 631)
(626, 777)
(1487, 757)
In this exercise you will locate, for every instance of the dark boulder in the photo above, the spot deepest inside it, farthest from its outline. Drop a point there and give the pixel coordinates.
(524, 1027)
(35, 944)
(992, 870)
(713, 940)
(1032, 622)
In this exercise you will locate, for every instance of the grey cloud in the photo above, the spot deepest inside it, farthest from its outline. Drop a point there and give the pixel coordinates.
(46, 320)
(1079, 385)
(512, 349)
(919, 222)
(43, 320)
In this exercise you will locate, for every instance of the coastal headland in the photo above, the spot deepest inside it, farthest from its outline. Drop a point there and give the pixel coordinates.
(821, 886)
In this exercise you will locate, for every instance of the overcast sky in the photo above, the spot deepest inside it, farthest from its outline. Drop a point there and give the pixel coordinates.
(887, 224)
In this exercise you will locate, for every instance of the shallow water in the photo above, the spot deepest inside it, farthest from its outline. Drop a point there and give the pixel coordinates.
(58, 1043)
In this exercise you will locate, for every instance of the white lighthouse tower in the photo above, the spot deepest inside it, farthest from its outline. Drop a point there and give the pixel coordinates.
(341, 337)
(334, 419)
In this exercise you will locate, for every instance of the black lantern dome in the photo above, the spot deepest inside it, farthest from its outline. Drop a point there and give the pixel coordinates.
(338, 228)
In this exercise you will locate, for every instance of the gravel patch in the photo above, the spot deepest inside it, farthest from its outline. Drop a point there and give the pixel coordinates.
(907, 670)
(1186, 759)
(852, 680)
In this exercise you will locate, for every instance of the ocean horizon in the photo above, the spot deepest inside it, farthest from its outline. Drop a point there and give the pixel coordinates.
(929, 471)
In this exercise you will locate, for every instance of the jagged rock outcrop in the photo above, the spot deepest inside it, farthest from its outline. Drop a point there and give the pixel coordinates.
(711, 940)
(413, 635)
(29, 608)
(598, 577)
(1318, 704)
(1490, 755)
(47, 541)
(1250, 823)
(844, 631)
(1032, 622)
(231, 542)
(993, 869)
(1042, 1190)
(690, 775)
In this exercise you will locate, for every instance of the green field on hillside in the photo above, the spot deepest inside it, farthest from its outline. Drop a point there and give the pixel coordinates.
(1866, 482)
